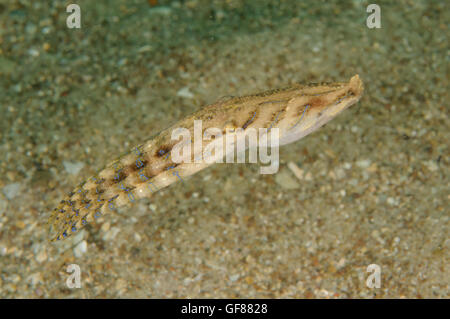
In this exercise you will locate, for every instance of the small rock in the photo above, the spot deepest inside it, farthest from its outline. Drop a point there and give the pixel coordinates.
(431, 165)
(72, 168)
(145, 48)
(15, 278)
(165, 11)
(41, 256)
(3, 250)
(20, 224)
(105, 227)
(308, 176)
(35, 279)
(111, 234)
(392, 201)
(30, 28)
(33, 52)
(80, 249)
(285, 180)
(340, 173)
(363, 163)
(12, 190)
(298, 172)
(121, 286)
(184, 92)
(347, 165)
(341, 263)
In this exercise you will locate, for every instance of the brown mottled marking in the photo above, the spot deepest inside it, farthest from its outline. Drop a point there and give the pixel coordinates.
(119, 177)
(163, 150)
(278, 116)
(253, 115)
(317, 102)
(132, 168)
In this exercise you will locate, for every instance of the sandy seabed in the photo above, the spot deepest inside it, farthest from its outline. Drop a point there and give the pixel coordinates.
(372, 186)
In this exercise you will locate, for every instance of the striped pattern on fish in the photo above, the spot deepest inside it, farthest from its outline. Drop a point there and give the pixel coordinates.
(296, 111)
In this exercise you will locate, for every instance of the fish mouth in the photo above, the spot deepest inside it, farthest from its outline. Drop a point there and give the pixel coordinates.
(350, 93)
(324, 107)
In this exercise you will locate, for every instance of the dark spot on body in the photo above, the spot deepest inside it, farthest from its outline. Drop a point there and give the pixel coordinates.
(163, 150)
(136, 166)
(109, 200)
(119, 176)
(317, 102)
(99, 181)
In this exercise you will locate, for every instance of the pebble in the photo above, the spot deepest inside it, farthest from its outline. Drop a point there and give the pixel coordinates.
(341, 263)
(339, 173)
(347, 165)
(308, 176)
(15, 278)
(121, 286)
(184, 92)
(12, 190)
(363, 163)
(431, 165)
(105, 227)
(20, 224)
(41, 256)
(298, 172)
(285, 180)
(80, 249)
(35, 279)
(392, 201)
(145, 48)
(165, 11)
(3, 250)
(111, 234)
(73, 167)
(79, 237)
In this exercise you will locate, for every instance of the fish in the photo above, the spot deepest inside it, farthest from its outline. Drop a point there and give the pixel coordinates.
(295, 112)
